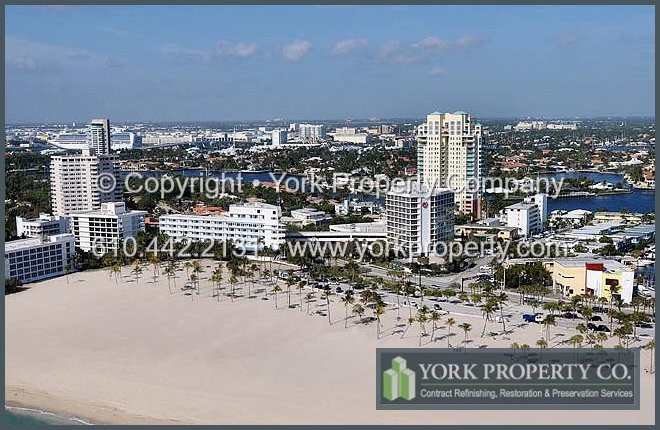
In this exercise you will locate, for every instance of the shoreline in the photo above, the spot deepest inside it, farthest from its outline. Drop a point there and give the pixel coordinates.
(36, 403)
(50, 417)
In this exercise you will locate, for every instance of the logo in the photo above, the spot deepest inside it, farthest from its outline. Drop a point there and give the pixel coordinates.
(399, 381)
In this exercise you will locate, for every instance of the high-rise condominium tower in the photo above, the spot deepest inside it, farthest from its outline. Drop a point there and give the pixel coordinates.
(79, 183)
(98, 136)
(449, 156)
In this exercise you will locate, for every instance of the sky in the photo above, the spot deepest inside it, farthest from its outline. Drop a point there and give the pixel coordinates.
(223, 63)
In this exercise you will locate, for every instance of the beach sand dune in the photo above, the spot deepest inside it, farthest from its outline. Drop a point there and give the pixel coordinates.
(130, 352)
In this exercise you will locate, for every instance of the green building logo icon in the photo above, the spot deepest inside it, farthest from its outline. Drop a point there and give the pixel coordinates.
(399, 381)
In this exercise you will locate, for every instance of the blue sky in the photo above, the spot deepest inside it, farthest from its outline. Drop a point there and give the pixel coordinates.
(168, 63)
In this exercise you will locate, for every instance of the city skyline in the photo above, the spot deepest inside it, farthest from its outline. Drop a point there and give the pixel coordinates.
(326, 63)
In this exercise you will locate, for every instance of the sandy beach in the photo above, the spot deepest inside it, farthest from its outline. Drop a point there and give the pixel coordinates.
(131, 352)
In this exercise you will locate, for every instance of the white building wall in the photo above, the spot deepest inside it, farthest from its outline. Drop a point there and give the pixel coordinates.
(244, 224)
(34, 259)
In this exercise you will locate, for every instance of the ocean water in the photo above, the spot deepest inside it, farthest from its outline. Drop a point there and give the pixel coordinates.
(22, 416)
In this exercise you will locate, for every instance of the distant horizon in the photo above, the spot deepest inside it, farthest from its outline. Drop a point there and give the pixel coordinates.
(163, 63)
(332, 120)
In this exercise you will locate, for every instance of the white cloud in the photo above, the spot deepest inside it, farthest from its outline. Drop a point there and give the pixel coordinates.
(424, 49)
(295, 50)
(347, 46)
(437, 71)
(242, 50)
(28, 55)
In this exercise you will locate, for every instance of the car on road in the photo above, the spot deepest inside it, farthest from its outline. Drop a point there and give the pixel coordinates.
(339, 289)
(437, 307)
(570, 315)
(645, 325)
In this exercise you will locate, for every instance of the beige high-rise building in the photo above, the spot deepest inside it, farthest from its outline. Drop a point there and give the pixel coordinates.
(449, 155)
(80, 183)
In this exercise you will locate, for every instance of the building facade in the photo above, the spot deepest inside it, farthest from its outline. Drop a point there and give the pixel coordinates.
(34, 259)
(449, 156)
(74, 182)
(279, 137)
(98, 135)
(418, 219)
(528, 216)
(311, 132)
(45, 225)
(604, 278)
(105, 229)
(249, 226)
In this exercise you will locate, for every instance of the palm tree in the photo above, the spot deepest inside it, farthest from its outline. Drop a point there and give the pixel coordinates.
(347, 300)
(216, 278)
(117, 271)
(276, 289)
(541, 343)
(289, 283)
(411, 321)
(576, 342)
(309, 296)
(421, 319)
(326, 295)
(487, 310)
(254, 269)
(358, 310)
(548, 320)
(398, 288)
(466, 327)
(155, 263)
(450, 322)
(435, 318)
(233, 281)
(194, 280)
(137, 270)
(169, 273)
(501, 300)
(379, 311)
(651, 347)
(187, 265)
(301, 287)
(197, 270)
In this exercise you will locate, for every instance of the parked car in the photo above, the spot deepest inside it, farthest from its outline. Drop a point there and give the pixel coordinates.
(339, 289)
(570, 315)
(595, 318)
(591, 326)
(602, 327)
(437, 307)
(537, 318)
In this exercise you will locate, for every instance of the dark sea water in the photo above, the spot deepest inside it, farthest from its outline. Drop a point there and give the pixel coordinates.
(641, 201)
(16, 416)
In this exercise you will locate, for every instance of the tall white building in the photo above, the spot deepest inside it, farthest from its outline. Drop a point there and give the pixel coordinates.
(529, 215)
(74, 182)
(45, 225)
(279, 137)
(105, 229)
(311, 132)
(38, 258)
(417, 219)
(245, 224)
(98, 133)
(449, 156)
